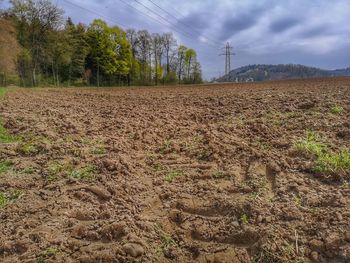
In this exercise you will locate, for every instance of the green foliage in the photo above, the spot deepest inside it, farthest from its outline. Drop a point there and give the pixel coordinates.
(334, 162)
(85, 173)
(336, 109)
(9, 197)
(45, 255)
(28, 148)
(273, 72)
(172, 175)
(48, 51)
(5, 166)
(259, 186)
(3, 91)
(167, 241)
(327, 162)
(218, 174)
(110, 52)
(244, 219)
(311, 144)
(165, 147)
(5, 137)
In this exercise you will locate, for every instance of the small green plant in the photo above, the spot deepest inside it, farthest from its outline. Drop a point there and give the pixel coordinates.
(3, 200)
(346, 184)
(167, 241)
(85, 173)
(27, 148)
(311, 144)
(261, 144)
(336, 109)
(218, 174)
(244, 219)
(45, 255)
(5, 137)
(326, 160)
(259, 186)
(203, 154)
(158, 167)
(297, 200)
(9, 197)
(165, 147)
(172, 175)
(99, 150)
(28, 170)
(334, 162)
(5, 166)
(56, 169)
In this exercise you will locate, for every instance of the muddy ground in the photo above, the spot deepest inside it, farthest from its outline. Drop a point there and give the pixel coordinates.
(182, 174)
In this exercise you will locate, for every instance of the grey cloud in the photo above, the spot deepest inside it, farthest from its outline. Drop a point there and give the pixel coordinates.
(234, 25)
(315, 31)
(237, 23)
(284, 24)
(199, 21)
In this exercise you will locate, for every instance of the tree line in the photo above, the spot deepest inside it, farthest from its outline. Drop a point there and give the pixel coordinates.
(39, 47)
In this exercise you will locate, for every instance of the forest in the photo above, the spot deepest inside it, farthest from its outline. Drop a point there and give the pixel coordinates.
(40, 47)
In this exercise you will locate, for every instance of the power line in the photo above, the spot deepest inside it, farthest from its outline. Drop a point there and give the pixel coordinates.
(183, 23)
(165, 19)
(159, 21)
(117, 22)
(96, 13)
(125, 26)
(162, 17)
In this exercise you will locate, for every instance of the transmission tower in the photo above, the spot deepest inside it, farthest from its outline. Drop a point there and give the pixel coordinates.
(228, 54)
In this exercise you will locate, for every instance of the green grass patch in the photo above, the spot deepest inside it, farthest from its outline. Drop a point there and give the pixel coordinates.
(5, 166)
(336, 109)
(167, 241)
(9, 197)
(172, 175)
(5, 137)
(166, 147)
(334, 162)
(3, 91)
(47, 254)
(311, 144)
(327, 161)
(56, 169)
(27, 148)
(85, 173)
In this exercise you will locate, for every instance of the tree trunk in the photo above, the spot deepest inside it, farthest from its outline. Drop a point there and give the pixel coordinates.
(167, 63)
(69, 74)
(98, 73)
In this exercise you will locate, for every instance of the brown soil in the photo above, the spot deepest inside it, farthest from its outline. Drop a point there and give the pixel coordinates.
(182, 174)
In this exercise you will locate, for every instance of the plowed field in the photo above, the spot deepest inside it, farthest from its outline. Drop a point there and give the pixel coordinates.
(217, 173)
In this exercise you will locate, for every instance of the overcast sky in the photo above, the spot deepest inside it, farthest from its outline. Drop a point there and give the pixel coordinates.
(310, 32)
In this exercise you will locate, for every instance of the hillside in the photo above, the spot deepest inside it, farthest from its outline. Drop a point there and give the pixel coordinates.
(278, 72)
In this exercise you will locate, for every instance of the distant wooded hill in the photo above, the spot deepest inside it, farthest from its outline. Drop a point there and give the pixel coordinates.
(278, 72)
